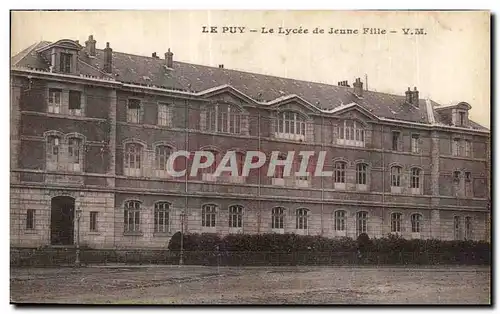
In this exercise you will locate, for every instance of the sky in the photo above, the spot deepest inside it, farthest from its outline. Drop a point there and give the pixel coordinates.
(449, 64)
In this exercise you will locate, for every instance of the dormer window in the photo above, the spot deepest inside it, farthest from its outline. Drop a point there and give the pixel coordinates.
(351, 133)
(462, 118)
(65, 62)
(290, 125)
(224, 119)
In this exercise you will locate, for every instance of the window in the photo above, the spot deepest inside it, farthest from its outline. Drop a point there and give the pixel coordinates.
(415, 143)
(396, 222)
(162, 153)
(30, 219)
(208, 213)
(416, 220)
(467, 148)
(55, 96)
(75, 103)
(468, 228)
(351, 133)
(278, 214)
(467, 176)
(301, 222)
(132, 216)
(163, 114)
(396, 137)
(224, 118)
(74, 145)
(162, 216)
(361, 222)
(133, 159)
(134, 111)
(361, 174)
(457, 228)
(93, 221)
(339, 222)
(296, 168)
(456, 176)
(279, 171)
(235, 216)
(65, 62)
(53, 144)
(396, 176)
(456, 147)
(415, 178)
(290, 125)
(339, 174)
(461, 118)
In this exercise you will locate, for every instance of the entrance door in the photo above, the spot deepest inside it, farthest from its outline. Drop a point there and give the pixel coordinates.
(62, 220)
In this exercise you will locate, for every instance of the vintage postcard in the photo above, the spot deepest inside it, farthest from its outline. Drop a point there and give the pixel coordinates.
(250, 157)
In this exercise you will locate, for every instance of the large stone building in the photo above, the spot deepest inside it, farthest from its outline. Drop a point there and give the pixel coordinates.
(91, 130)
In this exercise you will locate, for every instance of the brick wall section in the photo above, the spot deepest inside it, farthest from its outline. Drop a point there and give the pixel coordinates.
(15, 115)
(321, 200)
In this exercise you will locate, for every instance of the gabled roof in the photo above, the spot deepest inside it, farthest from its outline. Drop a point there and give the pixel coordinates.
(263, 89)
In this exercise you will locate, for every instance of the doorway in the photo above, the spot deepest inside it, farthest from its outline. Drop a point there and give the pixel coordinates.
(62, 220)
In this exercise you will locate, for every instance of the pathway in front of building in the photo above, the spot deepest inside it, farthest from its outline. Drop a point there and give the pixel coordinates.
(246, 285)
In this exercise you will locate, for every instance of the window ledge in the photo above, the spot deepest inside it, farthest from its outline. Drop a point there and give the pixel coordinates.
(162, 234)
(94, 233)
(133, 233)
(30, 231)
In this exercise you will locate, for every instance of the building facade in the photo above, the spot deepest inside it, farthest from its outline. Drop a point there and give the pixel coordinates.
(92, 129)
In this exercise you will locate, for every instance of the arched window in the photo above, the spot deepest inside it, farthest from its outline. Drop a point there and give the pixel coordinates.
(235, 216)
(74, 154)
(396, 222)
(339, 174)
(208, 215)
(131, 215)
(53, 151)
(361, 222)
(278, 215)
(162, 153)
(224, 118)
(290, 125)
(351, 133)
(162, 217)
(302, 217)
(396, 176)
(416, 220)
(415, 178)
(361, 173)
(133, 159)
(339, 222)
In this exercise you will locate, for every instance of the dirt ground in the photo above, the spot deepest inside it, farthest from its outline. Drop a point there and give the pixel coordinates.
(252, 285)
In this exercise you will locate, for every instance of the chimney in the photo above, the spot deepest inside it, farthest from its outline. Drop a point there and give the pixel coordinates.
(221, 66)
(108, 59)
(415, 97)
(358, 87)
(169, 59)
(408, 96)
(90, 46)
(154, 55)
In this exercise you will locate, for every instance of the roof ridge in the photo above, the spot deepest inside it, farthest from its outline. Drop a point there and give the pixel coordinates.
(262, 74)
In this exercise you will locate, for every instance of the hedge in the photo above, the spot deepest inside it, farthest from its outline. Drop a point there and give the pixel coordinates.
(293, 248)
